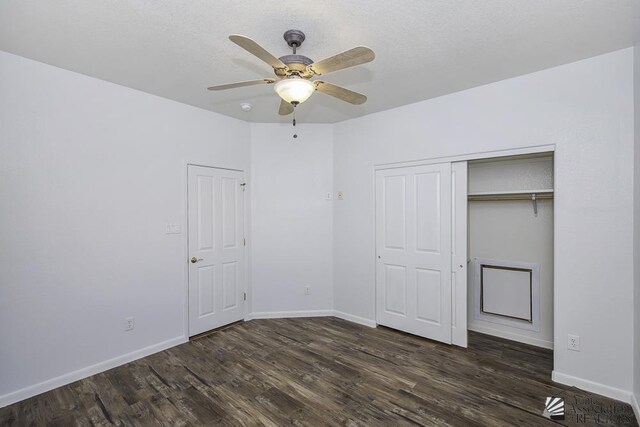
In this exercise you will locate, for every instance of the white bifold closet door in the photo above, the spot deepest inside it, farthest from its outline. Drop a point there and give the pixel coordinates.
(216, 247)
(414, 250)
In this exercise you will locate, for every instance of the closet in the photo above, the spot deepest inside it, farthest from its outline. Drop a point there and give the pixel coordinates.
(510, 248)
(466, 245)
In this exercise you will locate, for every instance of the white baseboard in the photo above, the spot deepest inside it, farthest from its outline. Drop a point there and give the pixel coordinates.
(355, 319)
(635, 406)
(25, 393)
(594, 387)
(288, 314)
(511, 336)
(65, 379)
(70, 377)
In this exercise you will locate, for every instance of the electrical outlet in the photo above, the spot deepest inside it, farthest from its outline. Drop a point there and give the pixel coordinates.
(573, 342)
(340, 195)
(307, 290)
(129, 323)
(329, 196)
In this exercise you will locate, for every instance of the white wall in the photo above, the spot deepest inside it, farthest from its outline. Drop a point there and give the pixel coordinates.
(636, 227)
(291, 235)
(586, 110)
(90, 173)
(509, 231)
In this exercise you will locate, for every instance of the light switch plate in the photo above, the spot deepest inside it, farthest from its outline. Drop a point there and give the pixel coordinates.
(173, 229)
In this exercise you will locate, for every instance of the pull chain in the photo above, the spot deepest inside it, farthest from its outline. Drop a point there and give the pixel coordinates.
(295, 135)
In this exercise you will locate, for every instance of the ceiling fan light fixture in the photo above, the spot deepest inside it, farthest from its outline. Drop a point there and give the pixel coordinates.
(294, 90)
(294, 71)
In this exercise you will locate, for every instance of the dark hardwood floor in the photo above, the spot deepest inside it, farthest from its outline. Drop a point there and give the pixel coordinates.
(321, 371)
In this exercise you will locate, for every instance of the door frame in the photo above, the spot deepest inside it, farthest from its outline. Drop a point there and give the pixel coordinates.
(185, 233)
(458, 338)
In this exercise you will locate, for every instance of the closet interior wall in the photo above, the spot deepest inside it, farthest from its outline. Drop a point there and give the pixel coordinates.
(509, 231)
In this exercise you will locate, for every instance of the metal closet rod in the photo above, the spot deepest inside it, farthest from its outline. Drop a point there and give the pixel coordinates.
(512, 196)
(533, 196)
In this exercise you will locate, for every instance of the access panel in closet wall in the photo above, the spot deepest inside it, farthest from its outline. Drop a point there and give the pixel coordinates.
(510, 236)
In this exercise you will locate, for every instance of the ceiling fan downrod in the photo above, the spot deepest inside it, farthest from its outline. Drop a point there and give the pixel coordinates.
(294, 39)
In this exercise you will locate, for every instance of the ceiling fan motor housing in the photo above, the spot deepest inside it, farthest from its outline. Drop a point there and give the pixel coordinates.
(297, 64)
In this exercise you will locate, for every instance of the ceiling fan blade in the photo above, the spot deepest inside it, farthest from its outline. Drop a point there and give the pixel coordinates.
(241, 84)
(347, 95)
(252, 47)
(285, 108)
(349, 58)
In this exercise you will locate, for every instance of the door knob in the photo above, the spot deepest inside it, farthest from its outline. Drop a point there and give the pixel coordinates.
(194, 260)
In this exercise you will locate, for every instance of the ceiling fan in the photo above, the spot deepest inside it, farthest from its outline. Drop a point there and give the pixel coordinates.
(294, 72)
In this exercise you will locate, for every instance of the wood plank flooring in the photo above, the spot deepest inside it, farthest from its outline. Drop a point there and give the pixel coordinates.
(321, 371)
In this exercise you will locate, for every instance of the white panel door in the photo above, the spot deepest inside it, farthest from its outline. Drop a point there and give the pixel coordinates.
(216, 248)
(413, 249)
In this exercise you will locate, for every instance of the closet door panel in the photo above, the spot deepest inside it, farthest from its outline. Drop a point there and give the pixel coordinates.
(394, 194)
(429, 296)
(428, 221)
(459, 255)
(395, 289)
(413, 246)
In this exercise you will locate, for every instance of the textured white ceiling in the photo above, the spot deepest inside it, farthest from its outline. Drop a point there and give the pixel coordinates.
(424, 49)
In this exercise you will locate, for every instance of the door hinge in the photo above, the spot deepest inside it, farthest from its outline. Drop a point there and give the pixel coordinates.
(243, 185)
(244, 241)
(244, 296)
